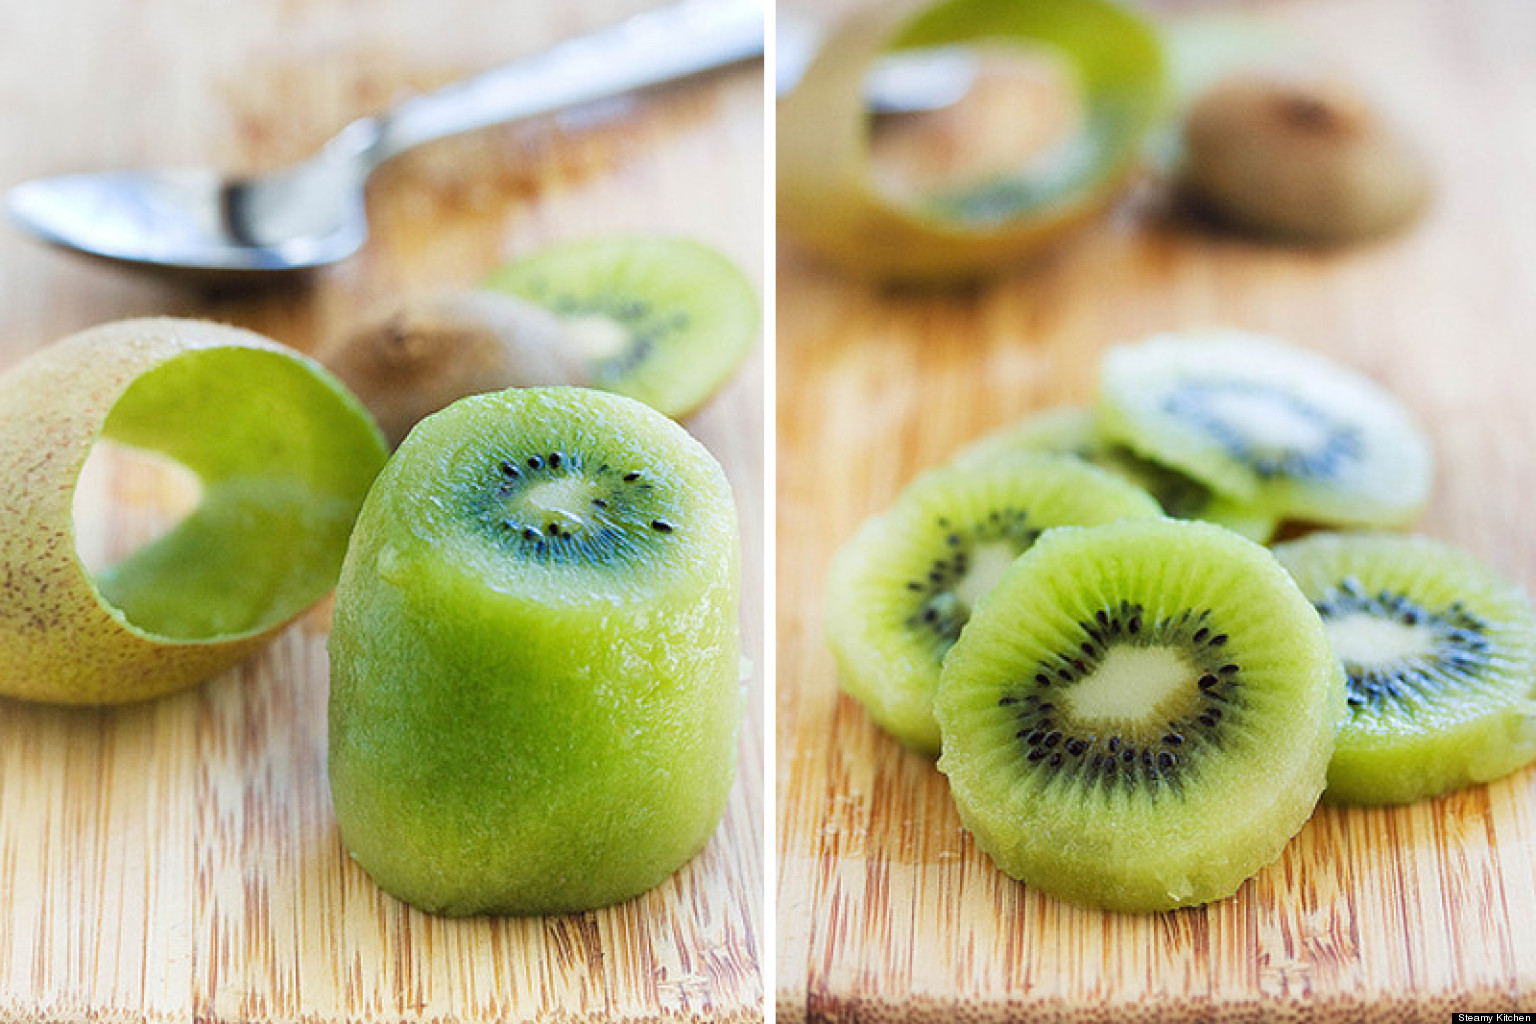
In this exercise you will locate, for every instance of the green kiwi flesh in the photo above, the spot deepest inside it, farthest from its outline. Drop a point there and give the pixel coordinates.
(660, 319)
(1268, 424)
(1439, 652)
(535, 687)
(1070, 431)
(1139, 715)
(901, 590)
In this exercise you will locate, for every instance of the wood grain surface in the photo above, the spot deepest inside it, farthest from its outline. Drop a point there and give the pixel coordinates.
(886, 911)
(178, 860)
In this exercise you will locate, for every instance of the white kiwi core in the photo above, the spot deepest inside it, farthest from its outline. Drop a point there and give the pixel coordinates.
(565, 499)
(988, 563)
(1131, 685)
(1363, 639)
(1268, 421)
(598, 337)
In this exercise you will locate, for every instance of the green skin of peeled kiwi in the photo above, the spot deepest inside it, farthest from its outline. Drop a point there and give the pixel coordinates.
(283, 453)
(1187, 847)
(508, 738)
(827, 196)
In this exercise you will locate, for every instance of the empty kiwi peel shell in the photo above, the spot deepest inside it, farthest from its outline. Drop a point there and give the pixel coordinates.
(284, 455)
(827, 195)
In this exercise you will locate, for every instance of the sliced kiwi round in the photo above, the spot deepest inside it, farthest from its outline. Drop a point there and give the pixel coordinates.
(1071, 431)
(1268, 424)
(1301, 158)
(1439, 651)
(1139, 715)
(661, 319)
(281, 452)
(902, 589)
(535, 658)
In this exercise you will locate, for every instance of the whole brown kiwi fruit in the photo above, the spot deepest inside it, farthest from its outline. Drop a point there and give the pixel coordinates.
(1309, 160)
(435, 350)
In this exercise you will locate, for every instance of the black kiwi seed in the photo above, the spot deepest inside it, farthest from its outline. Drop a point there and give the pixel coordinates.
(940, 614)
(1156, 754)
(1459, 654)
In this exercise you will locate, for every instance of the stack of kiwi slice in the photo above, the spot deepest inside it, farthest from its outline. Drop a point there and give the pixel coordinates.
(1136, 709)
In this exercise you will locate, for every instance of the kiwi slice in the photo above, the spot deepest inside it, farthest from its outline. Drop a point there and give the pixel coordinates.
(535, 659)
(1139, 715)
(1269, 424)
(901, 590)
(1071, 431)
(1439, 651)
(664, 320)
(282, 455)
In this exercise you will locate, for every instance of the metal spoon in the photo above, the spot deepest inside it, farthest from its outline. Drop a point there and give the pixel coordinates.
(312, 213)
(897, 83)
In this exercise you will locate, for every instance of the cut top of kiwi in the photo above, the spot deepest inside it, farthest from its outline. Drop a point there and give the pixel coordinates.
(557, 494)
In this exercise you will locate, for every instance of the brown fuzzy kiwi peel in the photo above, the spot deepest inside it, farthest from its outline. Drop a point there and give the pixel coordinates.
(1301, 158)
(285, 455)
(827, 197)
(435, 350)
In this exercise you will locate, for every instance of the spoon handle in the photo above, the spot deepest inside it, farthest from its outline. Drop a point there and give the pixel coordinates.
(646, 49)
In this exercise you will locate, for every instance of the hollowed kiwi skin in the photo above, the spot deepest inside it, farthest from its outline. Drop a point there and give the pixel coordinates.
(60, 639)
(828, 200)
(508, 737)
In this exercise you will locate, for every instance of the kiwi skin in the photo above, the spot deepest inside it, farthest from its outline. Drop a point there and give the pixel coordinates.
(61, 639)
(433, 351)
(1307, 160)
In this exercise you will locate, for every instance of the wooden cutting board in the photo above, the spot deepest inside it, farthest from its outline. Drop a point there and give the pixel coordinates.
(886, 910)
(178, 860)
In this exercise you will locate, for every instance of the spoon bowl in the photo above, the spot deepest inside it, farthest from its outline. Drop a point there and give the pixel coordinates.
(313, 213)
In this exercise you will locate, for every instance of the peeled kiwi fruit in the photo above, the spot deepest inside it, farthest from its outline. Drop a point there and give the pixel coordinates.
(901, 590)
(1070, 431)
(1301, 158)
(535, 667)
(282, 454)
(1269, 424)
(1439, 651)
(1139, 715)
(664, 320)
